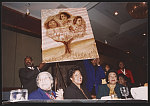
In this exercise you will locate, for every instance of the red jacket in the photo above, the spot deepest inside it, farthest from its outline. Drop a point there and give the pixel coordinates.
(128, 73)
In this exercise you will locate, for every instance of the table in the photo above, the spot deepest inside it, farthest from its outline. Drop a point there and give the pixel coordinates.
(76, 101)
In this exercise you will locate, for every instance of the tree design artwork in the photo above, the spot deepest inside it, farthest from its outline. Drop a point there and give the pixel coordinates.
(65, 28)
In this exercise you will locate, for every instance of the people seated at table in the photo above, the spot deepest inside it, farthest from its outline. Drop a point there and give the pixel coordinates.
(125, 81)
(112, 88)
(75, 90)
(45, 83)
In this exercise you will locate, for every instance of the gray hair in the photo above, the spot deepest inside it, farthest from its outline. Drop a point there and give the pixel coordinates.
(48, 74)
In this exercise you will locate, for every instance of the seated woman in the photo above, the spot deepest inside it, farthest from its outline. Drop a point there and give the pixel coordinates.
(125, 81)
(111, 88)
(45, 84)
(75, 90)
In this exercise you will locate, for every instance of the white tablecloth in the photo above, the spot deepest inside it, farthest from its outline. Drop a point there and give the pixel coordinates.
(140, 92)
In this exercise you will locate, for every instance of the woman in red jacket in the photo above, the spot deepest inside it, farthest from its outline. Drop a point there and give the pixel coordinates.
(125, 71)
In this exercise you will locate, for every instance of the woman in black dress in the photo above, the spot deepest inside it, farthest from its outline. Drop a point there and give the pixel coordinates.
(75, 90)
(124, 80)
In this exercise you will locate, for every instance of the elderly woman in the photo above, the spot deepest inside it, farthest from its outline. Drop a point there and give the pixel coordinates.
(75, 90)
(45, 84)
(111, 88)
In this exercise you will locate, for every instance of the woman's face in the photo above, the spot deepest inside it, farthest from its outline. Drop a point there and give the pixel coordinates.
(45, 82)
(79, 21)
(112, 78)
(121, 81)
(52, 24)
(76, 77)
(107, 67)
(63, 17)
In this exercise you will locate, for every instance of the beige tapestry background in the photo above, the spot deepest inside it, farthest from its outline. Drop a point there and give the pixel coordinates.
(67, 35)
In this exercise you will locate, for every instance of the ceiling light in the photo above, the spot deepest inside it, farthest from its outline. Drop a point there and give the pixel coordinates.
(27, 10)
(105, 41)
(116, 13)
(137, 10)
(144, 34)
(127, 52)
(144, 3)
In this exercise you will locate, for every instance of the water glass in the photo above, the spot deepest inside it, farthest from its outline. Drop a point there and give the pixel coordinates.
(124, 91)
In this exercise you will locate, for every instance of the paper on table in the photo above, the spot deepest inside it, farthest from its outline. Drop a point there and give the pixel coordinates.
(106, 98)
(140, 92)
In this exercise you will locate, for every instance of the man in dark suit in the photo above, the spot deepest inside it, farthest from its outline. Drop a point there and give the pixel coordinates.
(28, 74)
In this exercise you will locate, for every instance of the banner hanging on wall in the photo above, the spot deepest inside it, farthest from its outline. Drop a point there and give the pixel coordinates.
(67, 35)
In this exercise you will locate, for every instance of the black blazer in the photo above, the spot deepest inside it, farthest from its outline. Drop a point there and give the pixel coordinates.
(28, 78)
(73, 92)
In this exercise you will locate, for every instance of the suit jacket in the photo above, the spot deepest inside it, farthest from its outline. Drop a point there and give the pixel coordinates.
(28, 78)
(39, 94)
(128, 74)
(93, 77)
(103, 90)
(73, 92)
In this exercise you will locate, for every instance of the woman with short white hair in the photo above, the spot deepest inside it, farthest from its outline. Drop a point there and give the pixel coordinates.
(45, 83)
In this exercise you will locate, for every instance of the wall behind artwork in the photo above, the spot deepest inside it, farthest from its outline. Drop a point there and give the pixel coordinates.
(15, 46)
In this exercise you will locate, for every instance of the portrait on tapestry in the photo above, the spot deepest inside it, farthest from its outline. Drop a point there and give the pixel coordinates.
(67, 35)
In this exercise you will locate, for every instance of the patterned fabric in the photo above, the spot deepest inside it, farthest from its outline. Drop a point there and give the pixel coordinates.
(112, 91)
(50, 94)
